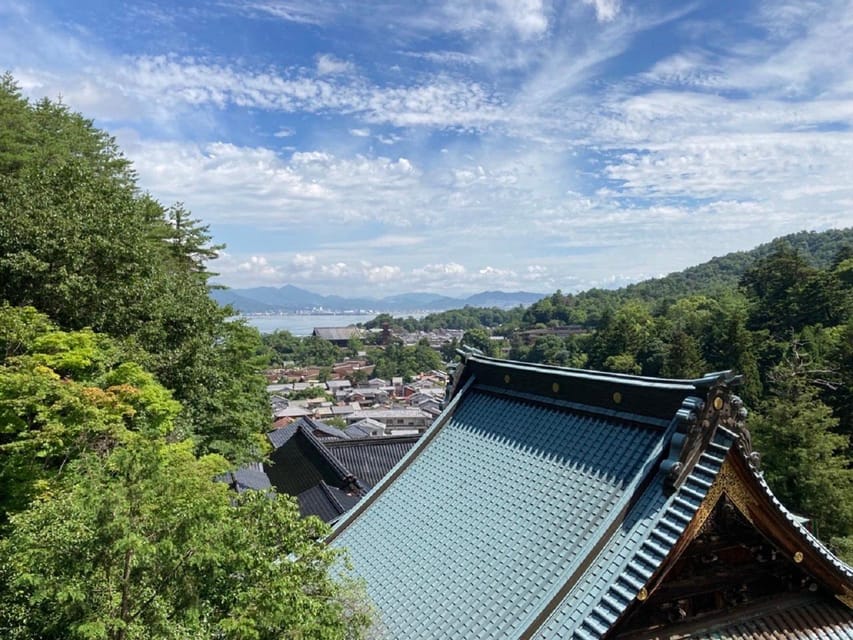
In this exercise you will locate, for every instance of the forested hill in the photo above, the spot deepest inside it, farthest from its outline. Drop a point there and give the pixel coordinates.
(818, 249)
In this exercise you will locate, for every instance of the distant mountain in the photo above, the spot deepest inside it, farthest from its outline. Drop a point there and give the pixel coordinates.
(291, 299)
(817, 247)
(502, 299)
(242, 303)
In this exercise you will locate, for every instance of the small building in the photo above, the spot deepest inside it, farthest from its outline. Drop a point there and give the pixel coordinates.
(410, 419)
(367, 428)
(339, 336)
(556, 503)
(336, 386)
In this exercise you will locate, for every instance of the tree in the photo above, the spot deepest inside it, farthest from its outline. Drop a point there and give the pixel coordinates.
(803, 454)
(683, 357)
(142, 544)
(481, 339)
(79, 242)
(63, 394)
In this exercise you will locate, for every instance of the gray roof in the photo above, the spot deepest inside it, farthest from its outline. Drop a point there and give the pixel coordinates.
(364, 428)
(337, 333)
(248, 477)
(369, 459)
(325, 501)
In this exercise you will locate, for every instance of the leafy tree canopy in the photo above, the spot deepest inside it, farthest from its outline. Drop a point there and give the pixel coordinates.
(80, 243)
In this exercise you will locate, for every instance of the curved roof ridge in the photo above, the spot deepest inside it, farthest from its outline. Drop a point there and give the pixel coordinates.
(807, 535)
(327, 455)
(682, 383)
(658, 515)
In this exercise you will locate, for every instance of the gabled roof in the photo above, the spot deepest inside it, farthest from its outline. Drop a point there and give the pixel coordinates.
(787, 619)
(365, 428)
(369, 459)
(302, 462)
(247, 477)
(546, 502)
(325, 501)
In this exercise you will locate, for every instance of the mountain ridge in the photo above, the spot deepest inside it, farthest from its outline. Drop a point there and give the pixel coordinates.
(293, 299)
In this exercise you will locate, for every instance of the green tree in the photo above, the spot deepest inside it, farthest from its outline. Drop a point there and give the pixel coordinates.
(142, 544)
(79, 242)
(63, 394)
(803, 454)
(481, 339)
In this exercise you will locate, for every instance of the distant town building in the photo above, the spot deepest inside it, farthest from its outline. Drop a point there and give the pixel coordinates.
(339, 336)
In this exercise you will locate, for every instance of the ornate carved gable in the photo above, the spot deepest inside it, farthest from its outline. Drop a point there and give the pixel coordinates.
(741, 550)
(728, 565)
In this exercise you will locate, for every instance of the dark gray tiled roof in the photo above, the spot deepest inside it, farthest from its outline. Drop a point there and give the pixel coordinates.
(279, 437)
(325, 502)
(371, 458)
(247, 477)
(813, 618)
(250, 477)
(303, 462)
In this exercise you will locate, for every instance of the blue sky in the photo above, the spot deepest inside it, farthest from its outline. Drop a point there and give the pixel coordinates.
(372, 148)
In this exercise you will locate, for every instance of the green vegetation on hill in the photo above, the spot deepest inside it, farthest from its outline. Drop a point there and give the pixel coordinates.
(124, 391)
(781, 317)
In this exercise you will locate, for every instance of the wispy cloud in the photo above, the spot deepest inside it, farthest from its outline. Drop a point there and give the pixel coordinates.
(487, 144)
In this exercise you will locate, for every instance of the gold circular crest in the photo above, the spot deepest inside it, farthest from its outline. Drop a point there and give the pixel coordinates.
(506, 379)
(718, 403)
(642, 594)
(555, 388)
(617, 397)
(798, 557)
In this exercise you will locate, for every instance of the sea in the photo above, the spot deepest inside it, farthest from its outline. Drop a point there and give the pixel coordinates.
(302, 324)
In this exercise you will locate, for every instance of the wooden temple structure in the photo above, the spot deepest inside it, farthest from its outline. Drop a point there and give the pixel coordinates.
(556, 503)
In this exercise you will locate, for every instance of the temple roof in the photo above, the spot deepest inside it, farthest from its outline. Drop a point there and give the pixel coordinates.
(542, 502)
(784, 619)
(329, 475)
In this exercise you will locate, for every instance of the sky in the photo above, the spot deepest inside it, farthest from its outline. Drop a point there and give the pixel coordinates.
(377, 147)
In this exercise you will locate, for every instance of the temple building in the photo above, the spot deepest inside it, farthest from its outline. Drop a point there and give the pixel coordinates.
(557, 503)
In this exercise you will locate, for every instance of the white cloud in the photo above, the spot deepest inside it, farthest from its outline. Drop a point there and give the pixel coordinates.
(521, 158)
(605, 10)
(258, 268)
(328, 64)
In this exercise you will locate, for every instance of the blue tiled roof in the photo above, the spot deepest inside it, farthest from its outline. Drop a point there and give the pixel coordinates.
(496, 514)
(634, 551)
(542, 502)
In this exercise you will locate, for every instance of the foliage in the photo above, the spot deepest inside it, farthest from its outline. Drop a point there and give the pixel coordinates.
(466, 318)
(397, 359)
(311, 351)
(803, 454)
(80, 243)
(141, 544)
(63, 394)
(481, 339)
(311, 393)
(117, 370)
